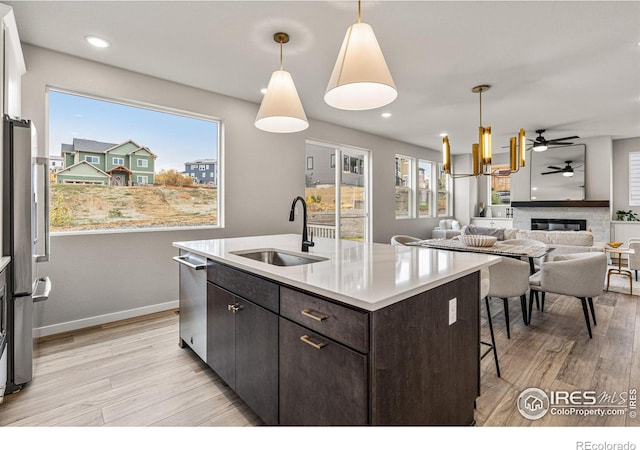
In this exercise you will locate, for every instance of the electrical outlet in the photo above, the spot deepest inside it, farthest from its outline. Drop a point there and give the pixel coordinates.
(453, 310)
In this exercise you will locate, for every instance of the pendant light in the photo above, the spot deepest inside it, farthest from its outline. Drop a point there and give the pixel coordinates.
(281, 110)
(481, 153)
(360, 79)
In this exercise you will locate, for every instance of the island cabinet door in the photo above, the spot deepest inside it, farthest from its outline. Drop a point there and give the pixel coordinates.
(221, 333)
(321, 382)
(257, 359)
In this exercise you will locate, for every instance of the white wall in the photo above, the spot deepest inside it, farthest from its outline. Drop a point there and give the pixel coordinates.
(98, 276)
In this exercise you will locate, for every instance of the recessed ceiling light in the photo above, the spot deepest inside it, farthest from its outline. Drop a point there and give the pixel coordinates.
(534, 188)
(444, 134)
(386, 115)
(263, 91)
(533, 198)
(97, 42)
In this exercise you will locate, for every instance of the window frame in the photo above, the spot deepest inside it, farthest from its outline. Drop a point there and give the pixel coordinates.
(414, 190)
(113, 161)
(220, 163)
(87, 157)
(490, 181)
(142, 166)
(410, 183)
(447, 191)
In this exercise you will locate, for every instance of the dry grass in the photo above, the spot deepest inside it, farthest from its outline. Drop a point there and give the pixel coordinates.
(87, 207)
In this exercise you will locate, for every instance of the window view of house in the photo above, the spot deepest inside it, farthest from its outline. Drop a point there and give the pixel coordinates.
(404, 169)
(424, 188)
(117, 166)
(337, 199)
(443, 192)
(499, 186)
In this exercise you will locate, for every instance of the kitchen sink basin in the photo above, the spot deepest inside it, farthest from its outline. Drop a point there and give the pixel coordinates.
(279, 257)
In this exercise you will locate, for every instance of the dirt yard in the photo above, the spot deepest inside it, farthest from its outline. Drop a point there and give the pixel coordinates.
(87, 207)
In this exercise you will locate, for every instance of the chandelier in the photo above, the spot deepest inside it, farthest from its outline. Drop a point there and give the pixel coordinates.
(481, 152)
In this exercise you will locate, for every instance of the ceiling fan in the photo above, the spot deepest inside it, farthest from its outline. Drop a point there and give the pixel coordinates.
(566, 171)
(540, 144)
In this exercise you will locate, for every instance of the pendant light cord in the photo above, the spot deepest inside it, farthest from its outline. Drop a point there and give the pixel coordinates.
(359, 12)
(280, 55)
(480, 107)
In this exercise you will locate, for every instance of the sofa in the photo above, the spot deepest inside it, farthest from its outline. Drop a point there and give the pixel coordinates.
(447, 229)
(563, 242)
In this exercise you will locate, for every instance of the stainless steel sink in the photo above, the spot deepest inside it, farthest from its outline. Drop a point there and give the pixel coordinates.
(279, 257)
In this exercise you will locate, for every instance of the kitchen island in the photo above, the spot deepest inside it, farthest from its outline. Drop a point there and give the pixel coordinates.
(362, 334)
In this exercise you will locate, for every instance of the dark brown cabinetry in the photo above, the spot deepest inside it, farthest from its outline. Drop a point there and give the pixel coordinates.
(242, 348)
(323, 382)
(300, 359)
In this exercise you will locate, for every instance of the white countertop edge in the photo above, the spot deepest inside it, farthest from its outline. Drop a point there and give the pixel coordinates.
(373, 304)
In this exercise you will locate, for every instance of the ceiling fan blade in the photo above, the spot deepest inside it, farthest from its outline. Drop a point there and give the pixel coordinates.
(554, 167)
(547, 173)
(564, 139)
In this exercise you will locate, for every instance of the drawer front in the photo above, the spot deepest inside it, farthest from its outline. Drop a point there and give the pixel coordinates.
(256, 289)
(321, 382)
(345, 325)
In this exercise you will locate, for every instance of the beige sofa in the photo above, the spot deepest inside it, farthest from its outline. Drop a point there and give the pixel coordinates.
(563, 242)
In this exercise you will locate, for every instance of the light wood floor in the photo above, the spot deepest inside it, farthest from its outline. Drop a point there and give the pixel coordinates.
(132, 373)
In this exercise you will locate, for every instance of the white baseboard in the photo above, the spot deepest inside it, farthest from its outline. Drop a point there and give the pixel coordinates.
(105, 318)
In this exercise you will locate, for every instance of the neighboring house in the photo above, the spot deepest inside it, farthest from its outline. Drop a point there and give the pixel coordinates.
(56, 163)
(125, 164)
(203, 171)
(320, 168)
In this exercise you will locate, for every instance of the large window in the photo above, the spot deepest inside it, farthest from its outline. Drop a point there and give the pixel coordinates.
(125, 166)
(634, 178)
(444, 196)
(414, 187)
(404, 184)
(499, 186)
(425, 169)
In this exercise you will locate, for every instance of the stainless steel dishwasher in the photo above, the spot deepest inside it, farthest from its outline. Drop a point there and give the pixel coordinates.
(193, 302)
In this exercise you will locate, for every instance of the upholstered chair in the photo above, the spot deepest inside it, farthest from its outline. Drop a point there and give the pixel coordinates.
(578, 275)
(485, 283)
(634, 258)
(510, 278)
(401, 239)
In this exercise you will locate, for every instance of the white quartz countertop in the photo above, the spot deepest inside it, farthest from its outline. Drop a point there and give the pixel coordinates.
(368, 276)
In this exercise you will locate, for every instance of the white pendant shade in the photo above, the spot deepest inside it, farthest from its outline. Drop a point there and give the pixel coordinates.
(361, 79)
(281, 110)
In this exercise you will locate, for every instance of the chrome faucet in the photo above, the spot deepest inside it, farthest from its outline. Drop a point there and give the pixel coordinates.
(306, 243)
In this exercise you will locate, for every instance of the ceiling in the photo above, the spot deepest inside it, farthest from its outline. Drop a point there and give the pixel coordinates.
(572, 68)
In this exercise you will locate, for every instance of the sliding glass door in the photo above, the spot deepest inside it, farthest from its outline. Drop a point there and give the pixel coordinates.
(337, 191)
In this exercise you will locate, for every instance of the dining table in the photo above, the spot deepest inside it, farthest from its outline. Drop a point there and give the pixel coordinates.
(531, 252)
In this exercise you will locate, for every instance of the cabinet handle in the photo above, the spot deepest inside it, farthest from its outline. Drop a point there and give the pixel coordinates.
(234, 308)
(307, 340)
(307, 312)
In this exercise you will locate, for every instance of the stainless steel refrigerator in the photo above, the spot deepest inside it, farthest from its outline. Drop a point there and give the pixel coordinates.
(25, 239)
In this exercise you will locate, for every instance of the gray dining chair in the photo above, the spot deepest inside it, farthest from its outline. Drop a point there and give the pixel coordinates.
(485, 283)
(401, 239)
(578, 275)
(510, 278)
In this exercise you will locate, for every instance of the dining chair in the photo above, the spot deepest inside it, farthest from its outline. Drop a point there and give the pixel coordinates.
(401, 239)
(535, 262)
(485, 283)
(634, 258)
(510, 278)
(578, 275)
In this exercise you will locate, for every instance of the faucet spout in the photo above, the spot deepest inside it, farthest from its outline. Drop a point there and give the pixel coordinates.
(306, 243)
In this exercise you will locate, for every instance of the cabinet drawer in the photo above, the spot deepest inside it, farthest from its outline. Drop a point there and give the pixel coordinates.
(256, 289)
(345, 325)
